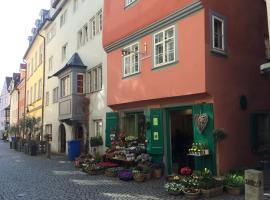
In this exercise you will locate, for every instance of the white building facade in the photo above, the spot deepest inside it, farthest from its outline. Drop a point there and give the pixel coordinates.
(75, 69)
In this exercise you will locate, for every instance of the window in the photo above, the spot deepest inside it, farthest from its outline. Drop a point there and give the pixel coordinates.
(261, 130)
(39, 88)
(48, 129)
(31, 95)
(35, 92)
(40, 54)
(50, 63)
(32, 66)
(47, 98)
(134, 125)
(27, 98)
(64, 52)
(55, 95)
(98, 127)
(93, 27)
(218, 40)
(99, 21)
(129, 2)
(65, 86)
(164, 47)
(36, 61)
(51, 33)
(80, 83)
(85, 33)
(95, 76)
(131, 60)
(29, 70)
(75, 5)
(80, 38)
(63, 18)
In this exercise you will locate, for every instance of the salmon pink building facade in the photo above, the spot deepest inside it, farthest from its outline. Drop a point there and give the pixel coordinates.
(177, 70)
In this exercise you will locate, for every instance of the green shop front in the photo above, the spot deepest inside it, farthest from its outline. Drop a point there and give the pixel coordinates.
(179, 136)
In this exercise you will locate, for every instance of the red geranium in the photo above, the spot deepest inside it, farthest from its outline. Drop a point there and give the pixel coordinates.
(185, 171)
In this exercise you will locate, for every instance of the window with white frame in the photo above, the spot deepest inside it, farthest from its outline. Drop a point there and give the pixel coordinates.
(55, 95)
(93, 27)
(47, 98)
(65, 86)
(35, 92)
(80, 38)
(31, 95)
(75, 5)
(50, 63)
(164, 47)
(80, 83)
(98, 127)
(95, 75)
(51, 33)
(39, 88)
(27, 98)
(85, 33)
(99, 21)
(64, 52)
(40, 54)
(129, 2)
(36, 61)
(131, 60)
(63, 18)
(32, 66)
(218, 42)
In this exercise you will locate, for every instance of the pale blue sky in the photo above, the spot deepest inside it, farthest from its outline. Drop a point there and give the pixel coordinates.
(17, 17)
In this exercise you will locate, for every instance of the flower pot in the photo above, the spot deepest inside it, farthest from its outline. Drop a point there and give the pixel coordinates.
(110, 173)
(174, 193)
(157, 173)
(138, 177)
(192, 194)
(208, 193)
(148, 176)
(235, 190)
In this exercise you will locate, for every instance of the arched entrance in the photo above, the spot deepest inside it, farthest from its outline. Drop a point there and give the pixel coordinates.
(62, 138)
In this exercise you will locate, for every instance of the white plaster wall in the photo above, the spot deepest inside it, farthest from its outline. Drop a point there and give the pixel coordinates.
(14, 108)
(92, 54)
(5, 102)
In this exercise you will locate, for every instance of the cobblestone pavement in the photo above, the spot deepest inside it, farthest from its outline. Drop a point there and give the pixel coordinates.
(24, 177)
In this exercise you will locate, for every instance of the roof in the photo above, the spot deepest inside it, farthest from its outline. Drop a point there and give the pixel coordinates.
(74, 61)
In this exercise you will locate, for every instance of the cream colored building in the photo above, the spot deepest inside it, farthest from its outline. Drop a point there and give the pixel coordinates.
(75, 66)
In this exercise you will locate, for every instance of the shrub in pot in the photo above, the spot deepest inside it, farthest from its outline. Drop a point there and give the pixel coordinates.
(174, 188)
(234, 183)
(138, 175)
(191, 187)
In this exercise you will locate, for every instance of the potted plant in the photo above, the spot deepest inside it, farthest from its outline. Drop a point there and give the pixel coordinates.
(93, 169)
(185, 171)
(113, 172)
(234, 183)
(209, 186)
(125, 175)
(174, 188)
(147, 171)
(138, 175)
(157, 169)
(191, 187)
(96, 141)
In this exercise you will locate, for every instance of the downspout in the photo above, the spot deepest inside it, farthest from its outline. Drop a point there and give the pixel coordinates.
(43, 88)
(25, 102)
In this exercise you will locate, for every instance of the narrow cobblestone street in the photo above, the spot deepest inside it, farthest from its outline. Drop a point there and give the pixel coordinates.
(25, 178)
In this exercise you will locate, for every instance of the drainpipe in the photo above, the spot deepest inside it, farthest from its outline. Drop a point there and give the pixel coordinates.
(43, 88)
(25, 102)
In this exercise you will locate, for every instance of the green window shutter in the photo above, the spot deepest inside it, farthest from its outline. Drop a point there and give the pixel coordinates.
(254, 133)
(112, 120)
(154, 135)
(205, 137)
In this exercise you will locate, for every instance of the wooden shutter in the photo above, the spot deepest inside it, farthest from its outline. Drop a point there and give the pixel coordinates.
(112, 120)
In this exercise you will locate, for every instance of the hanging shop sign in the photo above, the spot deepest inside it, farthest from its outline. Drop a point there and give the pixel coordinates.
(201, 121)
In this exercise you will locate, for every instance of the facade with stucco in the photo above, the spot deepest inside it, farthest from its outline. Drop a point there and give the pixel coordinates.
(74, 54)
(185, 68)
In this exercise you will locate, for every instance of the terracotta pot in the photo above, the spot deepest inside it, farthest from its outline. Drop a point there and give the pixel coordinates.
(148, 176)
(157, 173)
(212, 192)
(138, 177)
(192, 195)
(235, 190)
(175, 193)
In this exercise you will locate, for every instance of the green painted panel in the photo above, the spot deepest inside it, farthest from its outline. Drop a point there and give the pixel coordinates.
(112, 120)
(154, 133)
(205, 137)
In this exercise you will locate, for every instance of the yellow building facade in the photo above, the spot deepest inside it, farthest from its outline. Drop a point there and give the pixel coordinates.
(34, 58)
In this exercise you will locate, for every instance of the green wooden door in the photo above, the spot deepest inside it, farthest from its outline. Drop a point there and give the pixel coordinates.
(205, 137)
(112, 120)
(154, 134)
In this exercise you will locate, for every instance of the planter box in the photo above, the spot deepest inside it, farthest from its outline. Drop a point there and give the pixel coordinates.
(212, 192)
(235, 190)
